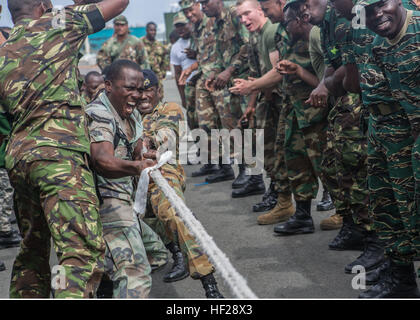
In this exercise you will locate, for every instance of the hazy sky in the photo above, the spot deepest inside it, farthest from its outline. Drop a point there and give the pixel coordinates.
(139, 12)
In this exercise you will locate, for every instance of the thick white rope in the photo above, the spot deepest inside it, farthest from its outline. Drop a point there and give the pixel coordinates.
(234, 280)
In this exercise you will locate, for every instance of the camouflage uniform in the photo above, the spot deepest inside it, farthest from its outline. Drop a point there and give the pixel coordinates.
(39, 90)
(269, 105)
(131, 49)
(231, 51)
(403, 76)
(305, 126)
(158, 57)
(349, 143)
(125, 259)
(6, 201)
(190, 98)
(390, 172)
(163, 123)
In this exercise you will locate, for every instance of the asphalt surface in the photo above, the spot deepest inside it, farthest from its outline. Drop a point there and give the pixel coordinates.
(274, 267)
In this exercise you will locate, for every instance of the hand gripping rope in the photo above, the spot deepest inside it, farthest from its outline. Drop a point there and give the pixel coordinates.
(234, 280)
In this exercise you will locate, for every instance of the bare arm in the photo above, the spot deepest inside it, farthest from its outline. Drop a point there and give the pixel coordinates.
(351, 81)
(334, 81)
(181, 87)
(112, 8)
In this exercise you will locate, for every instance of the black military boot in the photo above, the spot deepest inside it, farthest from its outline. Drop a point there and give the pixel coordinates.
(225, 173)
(399, 282)
(2, 266)
(10, 239)
(106, 288)
(374, 276)
(300, 222)
(326, 203)
(372, 256)
(255, 185)
(269, 200)
(210, 287)
(206, 170)
(242, 178)
(179, 270)
(349, 237)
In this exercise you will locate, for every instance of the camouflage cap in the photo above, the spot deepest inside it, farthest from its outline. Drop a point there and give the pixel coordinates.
(290, 2)
(180, 18)
(365, 3)
(185, 4)
(121, 20)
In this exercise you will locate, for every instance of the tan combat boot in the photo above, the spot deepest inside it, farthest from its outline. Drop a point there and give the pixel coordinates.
(332, 223)
(281, 212)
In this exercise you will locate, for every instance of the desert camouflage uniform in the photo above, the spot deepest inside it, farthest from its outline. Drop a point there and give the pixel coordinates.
(125, 259)
(390, 143)
(47, 153)
(162, 127)
(131, 49)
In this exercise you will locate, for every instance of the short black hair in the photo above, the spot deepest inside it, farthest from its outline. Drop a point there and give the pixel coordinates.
(151, 23)
(19, 7)
(92, 74)
(114, 71)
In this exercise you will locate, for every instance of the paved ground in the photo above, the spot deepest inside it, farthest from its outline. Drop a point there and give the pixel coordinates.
(275, 267)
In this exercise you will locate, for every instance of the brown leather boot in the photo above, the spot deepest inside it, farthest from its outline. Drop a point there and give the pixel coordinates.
(281, 212)
(332, 223)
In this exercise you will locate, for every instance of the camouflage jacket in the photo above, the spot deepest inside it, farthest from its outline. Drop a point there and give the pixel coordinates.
(158, 57)
(204, 42)
(231, 43)
(131, 48)
(163, 127)
(104, 125)
(39, 87)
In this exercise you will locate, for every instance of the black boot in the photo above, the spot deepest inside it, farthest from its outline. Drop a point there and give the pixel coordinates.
(225, 173)
(179, 270)
(349, 237)
(399, 282)
(372, 256)
(2, 266)
(269, 200)
(300, 222)
(106, 288)
(374, 276)
(10, 239)
(206, 170)
(255, 185)
(242, 179)
(326, 203)
(210, 287)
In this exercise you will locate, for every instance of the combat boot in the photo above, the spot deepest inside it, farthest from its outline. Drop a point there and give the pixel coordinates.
(399, 282)
(300, 222)
(374, 276)
(282, 211)
(179, 270)
(255, 185)
(10, 239)
(372, 256)
(242, 179)
(349, 237)
(332, 223)
(2, 266)
(106, 288)
(326, 203)
(223, 174)
(206, 170)
(210, 287)
(269, 200)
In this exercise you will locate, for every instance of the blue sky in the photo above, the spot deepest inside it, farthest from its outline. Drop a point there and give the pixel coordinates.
(139, 12)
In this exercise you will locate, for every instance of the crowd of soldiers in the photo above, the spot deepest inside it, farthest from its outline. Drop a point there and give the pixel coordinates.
(334, 85)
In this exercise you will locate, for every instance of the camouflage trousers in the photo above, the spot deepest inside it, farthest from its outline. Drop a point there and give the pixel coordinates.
(304, 150)
(174, 229)
(273, 122)
(6, 201)
(192, 118)
(131, 254)
(391, 185)
(217, 110)
(345, 161)
(55, 197)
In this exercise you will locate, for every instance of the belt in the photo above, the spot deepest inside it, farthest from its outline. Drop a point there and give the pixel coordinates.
(384, 109)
